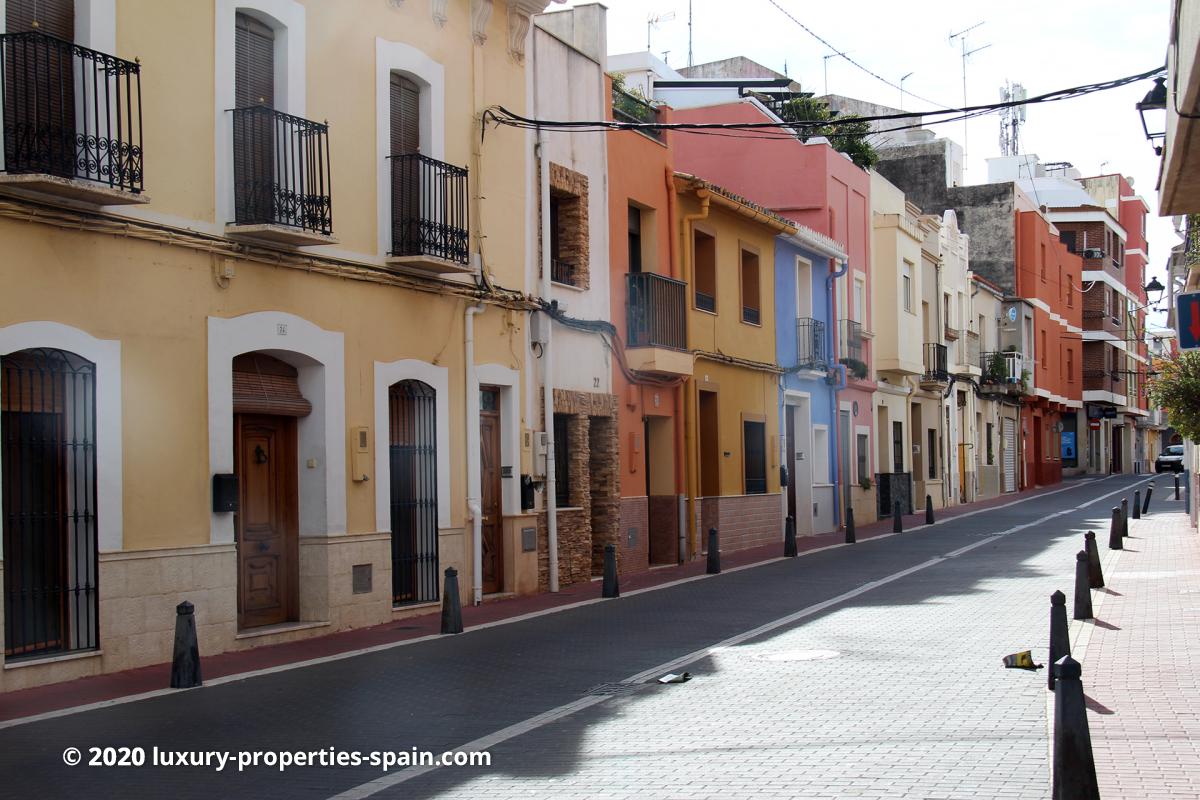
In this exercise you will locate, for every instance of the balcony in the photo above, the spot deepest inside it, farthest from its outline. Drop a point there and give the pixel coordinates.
(430, 218)
(1105, 380)
(72, 121)
(810, 345)
(281, 178)
(630, 108)
(937, 372)
(852, 350)
(656, 329)
(1004, 372)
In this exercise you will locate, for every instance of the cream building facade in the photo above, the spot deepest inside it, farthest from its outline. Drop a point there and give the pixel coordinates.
(225, 382)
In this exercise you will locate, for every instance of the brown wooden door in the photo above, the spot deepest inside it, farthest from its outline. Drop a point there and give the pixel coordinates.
(266, 525)
(489, 470)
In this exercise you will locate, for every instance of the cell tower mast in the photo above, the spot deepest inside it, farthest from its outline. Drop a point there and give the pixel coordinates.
(1011, 119)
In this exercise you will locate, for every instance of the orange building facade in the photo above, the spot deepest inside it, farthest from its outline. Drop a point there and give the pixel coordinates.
(1048, 276)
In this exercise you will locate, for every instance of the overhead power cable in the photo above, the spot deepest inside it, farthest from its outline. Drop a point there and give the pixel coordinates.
(842, 53)
(502, 116)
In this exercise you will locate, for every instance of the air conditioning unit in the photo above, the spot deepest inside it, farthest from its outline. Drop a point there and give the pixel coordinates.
(1093, 252)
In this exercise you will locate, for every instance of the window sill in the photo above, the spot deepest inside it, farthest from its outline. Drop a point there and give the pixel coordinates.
(37, 662)
(571, 286)
(704, 310)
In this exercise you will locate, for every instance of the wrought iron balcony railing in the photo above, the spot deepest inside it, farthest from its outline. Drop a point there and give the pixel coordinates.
(850, 339)
(656, 311)
(430, 216)
(936, 362)
(811, 349)
(70, 112)
(281, 170)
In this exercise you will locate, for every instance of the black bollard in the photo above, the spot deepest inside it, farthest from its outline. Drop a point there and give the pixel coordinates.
(1095, 573)
(611, 587)
(1177, 496)
(850, 526)
(185, 664)
(1083, 589)
(897, 521)
(1137, 504)
(1074, 767)
(1124, 517)
(1060, 639)
(1187, 492)
(928, 510)
(451, 607)
(714, 553)
(789, 538)
(1146, 502)
(1114, 531)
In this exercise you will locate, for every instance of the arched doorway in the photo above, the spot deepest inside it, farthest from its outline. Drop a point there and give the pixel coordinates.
(267, 402)
(48, 469)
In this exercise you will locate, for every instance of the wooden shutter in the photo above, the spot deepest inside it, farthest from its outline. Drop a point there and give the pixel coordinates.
(39, 88)
(54, 17)
(254, 68)
(406, 116)
(266, 385)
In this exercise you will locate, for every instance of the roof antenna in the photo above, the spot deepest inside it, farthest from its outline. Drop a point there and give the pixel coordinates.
(962, 38)
(690, 35)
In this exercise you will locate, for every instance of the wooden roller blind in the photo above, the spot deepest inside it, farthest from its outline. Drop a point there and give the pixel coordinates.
(254, 63)
(54, 17)
(406, 116)
(266, 385)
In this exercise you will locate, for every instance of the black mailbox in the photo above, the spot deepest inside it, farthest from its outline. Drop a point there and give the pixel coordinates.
(225, 492)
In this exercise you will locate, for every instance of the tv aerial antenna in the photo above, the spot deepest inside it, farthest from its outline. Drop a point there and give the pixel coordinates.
(967, 52)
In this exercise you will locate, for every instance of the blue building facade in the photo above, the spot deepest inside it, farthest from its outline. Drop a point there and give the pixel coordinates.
(806, 266)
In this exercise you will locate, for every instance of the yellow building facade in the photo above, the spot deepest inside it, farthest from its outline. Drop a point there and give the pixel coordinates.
(266, 357)
(731, 416)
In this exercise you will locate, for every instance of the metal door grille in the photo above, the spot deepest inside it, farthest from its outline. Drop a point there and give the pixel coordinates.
(48, 469)
(413, 460)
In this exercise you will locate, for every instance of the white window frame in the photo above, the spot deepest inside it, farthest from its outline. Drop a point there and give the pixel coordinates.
(287, 19)
(804, 272)
(319, 356)
(906, 287)
(821, 475)
(430, 76)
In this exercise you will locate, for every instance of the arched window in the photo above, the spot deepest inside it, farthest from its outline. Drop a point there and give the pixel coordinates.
(48, 474)
(412, 460)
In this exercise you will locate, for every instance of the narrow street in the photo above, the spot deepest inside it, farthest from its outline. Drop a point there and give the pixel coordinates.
(871, 670)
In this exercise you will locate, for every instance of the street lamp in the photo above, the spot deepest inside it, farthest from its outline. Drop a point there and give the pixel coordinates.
(1154, 286)
(1155, 102)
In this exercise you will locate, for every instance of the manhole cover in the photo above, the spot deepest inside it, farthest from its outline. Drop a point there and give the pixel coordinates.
(799, 655)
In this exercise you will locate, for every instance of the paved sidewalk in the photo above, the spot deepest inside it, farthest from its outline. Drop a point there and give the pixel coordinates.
(1141, 662)
(102, 688)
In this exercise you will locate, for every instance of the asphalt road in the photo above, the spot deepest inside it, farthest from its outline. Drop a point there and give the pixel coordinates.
(974, 571)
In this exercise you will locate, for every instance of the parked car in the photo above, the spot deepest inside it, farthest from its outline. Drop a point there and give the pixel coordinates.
(1170, 460)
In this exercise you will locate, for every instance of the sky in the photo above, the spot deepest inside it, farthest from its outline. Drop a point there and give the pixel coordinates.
(1044, 45)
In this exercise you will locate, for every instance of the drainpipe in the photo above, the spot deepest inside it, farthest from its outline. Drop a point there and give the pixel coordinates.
(691, 400)
(474, 481)
(547, 350)
(834, 274)
(680, 392)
